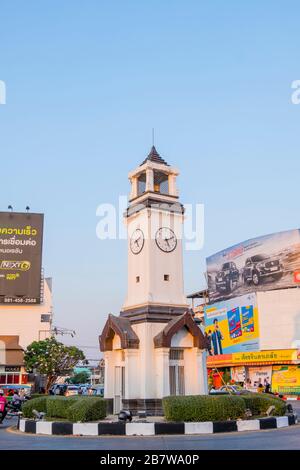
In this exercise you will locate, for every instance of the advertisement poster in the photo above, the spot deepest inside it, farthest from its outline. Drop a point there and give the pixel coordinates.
(232, 325)
(21, 239)
(238, 374)
(263, 263)
(259, 375)
(286, 379)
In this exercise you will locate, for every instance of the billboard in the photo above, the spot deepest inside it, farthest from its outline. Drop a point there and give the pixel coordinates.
(261, 375)
(286, 379)
(232, 325)
(21, 240)
(263, 263)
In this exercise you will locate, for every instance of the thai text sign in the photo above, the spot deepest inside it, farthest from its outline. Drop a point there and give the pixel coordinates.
(21, 238)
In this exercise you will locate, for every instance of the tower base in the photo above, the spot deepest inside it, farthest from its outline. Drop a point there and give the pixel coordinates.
(151, 406)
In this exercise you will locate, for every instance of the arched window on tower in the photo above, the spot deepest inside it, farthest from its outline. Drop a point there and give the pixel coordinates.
(161, 182)
(141, 183)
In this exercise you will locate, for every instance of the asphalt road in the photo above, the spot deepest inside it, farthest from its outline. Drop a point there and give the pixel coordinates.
(280, 439)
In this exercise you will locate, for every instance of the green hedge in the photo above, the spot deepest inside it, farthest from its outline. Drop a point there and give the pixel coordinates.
(219, 408)
(38, 404)
(75, 408)
(87, 409)
(57, 407)
(203, 408)
(259, 404)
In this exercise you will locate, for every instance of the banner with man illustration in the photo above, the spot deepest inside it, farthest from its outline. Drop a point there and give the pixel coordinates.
(21, 237)
(263, 263)
(232, 325)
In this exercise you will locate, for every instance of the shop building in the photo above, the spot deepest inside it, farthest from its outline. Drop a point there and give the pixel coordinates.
(274, 340)
(251, 312)
(20, 326)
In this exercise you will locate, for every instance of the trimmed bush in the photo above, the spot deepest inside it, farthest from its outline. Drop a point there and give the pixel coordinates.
(259, 404)
(199, 408)
(38, 404)
(57, 407)
(87, 409)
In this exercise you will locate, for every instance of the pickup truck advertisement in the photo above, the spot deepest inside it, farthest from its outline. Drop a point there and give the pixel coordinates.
(232, 325)
(21, 237)
(263, 263)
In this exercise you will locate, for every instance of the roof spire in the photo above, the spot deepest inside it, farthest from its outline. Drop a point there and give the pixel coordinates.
(154, 157)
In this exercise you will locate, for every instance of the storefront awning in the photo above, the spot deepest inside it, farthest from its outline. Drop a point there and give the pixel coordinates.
(11, 353)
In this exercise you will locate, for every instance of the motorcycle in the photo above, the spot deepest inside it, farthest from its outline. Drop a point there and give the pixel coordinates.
(13, 411)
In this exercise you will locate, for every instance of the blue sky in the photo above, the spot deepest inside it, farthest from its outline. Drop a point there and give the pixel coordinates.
(87, 81)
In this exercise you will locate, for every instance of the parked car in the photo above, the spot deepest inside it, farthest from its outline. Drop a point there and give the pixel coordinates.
(229, 390)
(57, 389)
(98, 390)
(83, 389)
(260, 267)
(63, 389)
(227, 278)
(71, 390)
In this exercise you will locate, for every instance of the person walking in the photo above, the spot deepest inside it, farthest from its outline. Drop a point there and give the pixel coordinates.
(208, 337)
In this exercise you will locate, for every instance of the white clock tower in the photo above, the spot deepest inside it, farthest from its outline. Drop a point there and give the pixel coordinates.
(154, 223)
(154, 348)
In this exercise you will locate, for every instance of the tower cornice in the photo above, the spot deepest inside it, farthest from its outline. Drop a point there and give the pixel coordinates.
(170, 170)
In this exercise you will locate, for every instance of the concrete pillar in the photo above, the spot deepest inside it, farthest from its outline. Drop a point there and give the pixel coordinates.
(202, 368)
(149, 179)
(109, 374)
(172, 185)
(195, 373)
(162, 372)
(132, 378)
(134, 187)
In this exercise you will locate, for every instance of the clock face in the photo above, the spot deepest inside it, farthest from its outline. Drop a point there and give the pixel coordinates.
(166, 239)
(137, 241)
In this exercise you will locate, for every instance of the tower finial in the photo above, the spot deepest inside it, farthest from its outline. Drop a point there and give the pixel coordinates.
(153, 136)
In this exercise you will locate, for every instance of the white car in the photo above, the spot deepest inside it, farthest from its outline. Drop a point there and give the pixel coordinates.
(71, 391)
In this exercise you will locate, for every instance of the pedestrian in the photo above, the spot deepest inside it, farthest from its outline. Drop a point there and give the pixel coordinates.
(267, 386)
(3, 406)
(209, 347)
(260, 388)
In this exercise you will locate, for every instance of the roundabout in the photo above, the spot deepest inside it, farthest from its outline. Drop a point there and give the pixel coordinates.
(275, 439)
(144, 428)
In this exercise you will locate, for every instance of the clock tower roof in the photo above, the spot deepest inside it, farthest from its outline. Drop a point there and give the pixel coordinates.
(154, 157)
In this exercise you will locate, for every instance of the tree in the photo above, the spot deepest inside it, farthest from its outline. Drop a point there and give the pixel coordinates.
(51, 358)
(80, 378)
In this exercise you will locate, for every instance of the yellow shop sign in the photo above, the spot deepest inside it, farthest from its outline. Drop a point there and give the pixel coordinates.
(271, 356)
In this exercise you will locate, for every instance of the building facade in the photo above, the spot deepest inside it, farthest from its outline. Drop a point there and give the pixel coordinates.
(276, 360)
(20, 326)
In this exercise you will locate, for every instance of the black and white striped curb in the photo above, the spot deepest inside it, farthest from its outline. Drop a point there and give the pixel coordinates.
(151, 429)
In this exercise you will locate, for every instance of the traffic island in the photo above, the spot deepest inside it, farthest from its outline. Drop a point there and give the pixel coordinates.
(105, 428)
